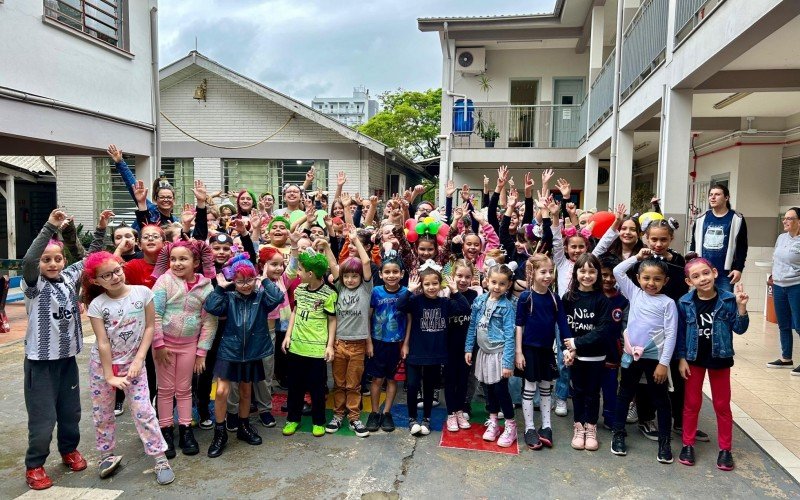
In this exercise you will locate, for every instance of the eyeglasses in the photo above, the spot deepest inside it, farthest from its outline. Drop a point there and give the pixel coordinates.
(151, 237)
(107, 276)
(245, 282)
(165, 198)
(789, 219)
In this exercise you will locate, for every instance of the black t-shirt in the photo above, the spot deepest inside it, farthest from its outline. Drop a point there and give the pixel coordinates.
(705, 329)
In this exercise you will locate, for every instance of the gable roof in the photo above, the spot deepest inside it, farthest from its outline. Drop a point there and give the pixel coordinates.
(29, 168)
(178, 70)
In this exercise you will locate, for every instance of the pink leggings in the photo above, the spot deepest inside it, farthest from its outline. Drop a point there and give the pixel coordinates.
(175, 381)
(721, 399)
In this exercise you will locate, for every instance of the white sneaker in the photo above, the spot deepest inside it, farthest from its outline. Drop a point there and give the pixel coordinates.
(561, 408)
(633, 414)
(452, 423)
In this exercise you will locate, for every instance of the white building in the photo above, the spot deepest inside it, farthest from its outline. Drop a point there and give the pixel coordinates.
(709, 91)
(73, 80)
(242, 134)
(352, 111)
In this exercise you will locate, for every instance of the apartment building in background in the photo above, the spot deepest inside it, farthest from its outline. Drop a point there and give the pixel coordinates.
(352, 111)
(708, 92)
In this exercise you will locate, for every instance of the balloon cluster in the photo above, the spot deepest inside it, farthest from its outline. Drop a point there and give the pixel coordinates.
(428, 225)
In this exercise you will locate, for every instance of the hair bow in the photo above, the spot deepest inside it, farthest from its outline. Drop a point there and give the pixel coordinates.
(430, 264)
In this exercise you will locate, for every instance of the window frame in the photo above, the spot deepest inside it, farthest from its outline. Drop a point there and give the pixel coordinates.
(51, 13)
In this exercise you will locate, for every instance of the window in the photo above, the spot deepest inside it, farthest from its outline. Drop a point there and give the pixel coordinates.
(180, 175)
(263, 175)
(790, 175)
(111, 192)
(101, 19)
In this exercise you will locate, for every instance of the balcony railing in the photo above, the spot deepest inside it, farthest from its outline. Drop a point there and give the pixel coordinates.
(537, 126)
(644, 44)
(689, 14)
(602, 96)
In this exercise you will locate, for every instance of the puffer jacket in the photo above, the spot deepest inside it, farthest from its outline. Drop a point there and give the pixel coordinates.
(246, 335)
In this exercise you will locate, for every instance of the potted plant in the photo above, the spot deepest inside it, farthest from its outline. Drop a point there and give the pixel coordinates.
(489, 133)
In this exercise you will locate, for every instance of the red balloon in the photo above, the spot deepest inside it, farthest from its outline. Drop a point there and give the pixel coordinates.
(444, 229)
(602, 221)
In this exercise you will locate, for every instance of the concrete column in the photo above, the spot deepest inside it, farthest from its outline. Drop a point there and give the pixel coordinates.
(596, 42)
(671, 16)
(624, 174)
(590, 181)
(147, 172)
(673, 158)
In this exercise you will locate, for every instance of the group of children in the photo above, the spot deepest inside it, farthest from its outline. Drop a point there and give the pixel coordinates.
(269, 300)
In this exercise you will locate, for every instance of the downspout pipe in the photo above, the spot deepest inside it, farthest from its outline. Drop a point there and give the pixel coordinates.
(156, 163)
(615, 105)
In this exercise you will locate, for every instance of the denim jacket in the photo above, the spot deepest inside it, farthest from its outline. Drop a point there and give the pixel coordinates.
(726, 320)
(501, 327)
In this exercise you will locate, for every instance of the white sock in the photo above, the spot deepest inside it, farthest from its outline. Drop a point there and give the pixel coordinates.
(545, 390)
(528, 392)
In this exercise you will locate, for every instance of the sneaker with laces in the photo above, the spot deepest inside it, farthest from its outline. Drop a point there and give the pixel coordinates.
(664, 451)
(318, 430)
(425, 427)
(387, 422)
(290, 428)
(452, 423)
(206, 424)
(649, 429)
(532, 440)
(578, 436)
(725, 460)
(74, 460)
(334, 425)
(119, 409)
(164, 474)
(373, 422)
(546, 436)
(618, 444)
(687, 455)
(509, 435)
(37, 478)
(591, 438)
(109, 465)
(359, 428)
(414, 427)
(462, 419)
(633, 414)
(561, 408)
(267, 419)
(492, 430)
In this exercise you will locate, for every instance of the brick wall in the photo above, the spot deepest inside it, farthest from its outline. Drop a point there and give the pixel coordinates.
(75, 187)
(209, 170)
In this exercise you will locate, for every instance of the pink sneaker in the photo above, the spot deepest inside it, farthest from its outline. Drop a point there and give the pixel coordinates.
(591, 438)
(509, 434)
(579, 437)
(452, 423)
(463, 422)
(492, 430)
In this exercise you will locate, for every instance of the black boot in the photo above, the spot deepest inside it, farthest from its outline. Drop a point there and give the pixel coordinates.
(169, 437)
(247, 434)
(219, 441)
(186, 441)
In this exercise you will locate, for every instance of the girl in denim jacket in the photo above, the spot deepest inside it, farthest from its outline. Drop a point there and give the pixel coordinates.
(492, 326)
(708, 315)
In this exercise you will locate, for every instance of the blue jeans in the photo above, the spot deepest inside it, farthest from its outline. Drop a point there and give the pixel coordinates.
(723, 282)
(609, 386)
(562, 383)
(787, 309)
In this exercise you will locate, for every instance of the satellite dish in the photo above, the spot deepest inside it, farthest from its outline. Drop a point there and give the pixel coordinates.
(465, 59)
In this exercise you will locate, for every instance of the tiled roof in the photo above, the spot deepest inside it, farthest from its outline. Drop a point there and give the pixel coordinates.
(29, 163)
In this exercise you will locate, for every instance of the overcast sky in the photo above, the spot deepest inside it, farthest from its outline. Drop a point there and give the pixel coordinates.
(324, 48)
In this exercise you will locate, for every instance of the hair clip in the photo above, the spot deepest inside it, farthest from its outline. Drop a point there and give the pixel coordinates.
(489, 263)
(512, 265)
(569, 232)
(430, 264)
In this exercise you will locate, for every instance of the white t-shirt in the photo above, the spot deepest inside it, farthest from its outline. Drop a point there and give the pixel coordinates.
(124, 320)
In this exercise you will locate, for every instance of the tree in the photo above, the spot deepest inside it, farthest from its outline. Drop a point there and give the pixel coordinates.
(409, 121)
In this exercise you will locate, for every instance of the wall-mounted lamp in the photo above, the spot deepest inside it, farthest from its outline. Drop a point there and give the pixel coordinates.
(200, 91)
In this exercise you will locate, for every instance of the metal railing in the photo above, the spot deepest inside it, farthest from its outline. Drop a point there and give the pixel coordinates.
(644, 44)
(515, 126)
(689, 14)
(583, 120)
(602, 94)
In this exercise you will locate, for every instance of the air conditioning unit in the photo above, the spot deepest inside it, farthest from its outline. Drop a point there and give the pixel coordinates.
(471, 60)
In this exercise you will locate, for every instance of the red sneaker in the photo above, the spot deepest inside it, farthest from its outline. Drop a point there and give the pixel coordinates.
(74, 461)
(37, 478)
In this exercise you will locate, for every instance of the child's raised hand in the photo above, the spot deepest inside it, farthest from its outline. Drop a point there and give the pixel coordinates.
(683, 367)
(240, 226)
(310, 175)
(140, 192)
(465, 193)
(120, 383)
(547, 175)
(741, 297)
(341, 178)
(571, 209)
(619, 213)
(57, 217)
(643, 254)
(413, 283)
(295, 236)
(450, 188)
(511, 200)
(563, 186)
(199, 364)
(528, 185)
(478, 216)
(660, 375)
(468, 358)
(200, 192)
(105, 216)
(451, 284)
(222, 282)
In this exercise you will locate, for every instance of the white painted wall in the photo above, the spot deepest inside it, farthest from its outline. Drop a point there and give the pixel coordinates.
(50, 62)
(505, 65)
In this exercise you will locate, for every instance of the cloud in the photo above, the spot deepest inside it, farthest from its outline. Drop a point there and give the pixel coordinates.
(308, 48)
